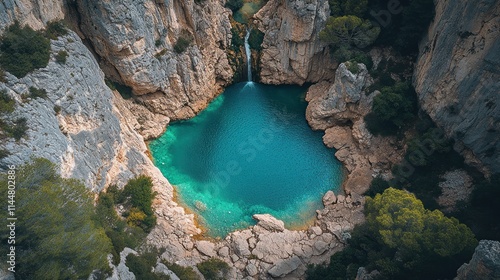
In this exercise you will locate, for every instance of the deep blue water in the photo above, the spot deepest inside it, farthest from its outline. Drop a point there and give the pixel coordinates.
(251, 151)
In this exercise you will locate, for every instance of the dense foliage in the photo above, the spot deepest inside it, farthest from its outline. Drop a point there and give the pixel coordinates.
(340, 8)
(234, 5)
(393, 109)
(184, 273)
(142, 265)
(404, 24)
(138, 195)
(55, 235)
(213, 269)
(23, 50)
(401, 240)
(349, 32)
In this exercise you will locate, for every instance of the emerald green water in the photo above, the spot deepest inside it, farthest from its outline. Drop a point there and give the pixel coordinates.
(251, 151)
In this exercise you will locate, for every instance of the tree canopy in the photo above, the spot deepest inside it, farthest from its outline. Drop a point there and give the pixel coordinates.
(349, 31)
(402, 222)
(56, 237)
(23, 50)
(348, 7)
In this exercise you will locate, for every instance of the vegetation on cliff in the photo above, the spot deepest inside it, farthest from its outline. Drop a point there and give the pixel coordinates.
(401, 240)
(23, 50)
(56, 237)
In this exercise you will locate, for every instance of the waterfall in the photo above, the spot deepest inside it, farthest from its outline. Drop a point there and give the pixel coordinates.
(249, 55)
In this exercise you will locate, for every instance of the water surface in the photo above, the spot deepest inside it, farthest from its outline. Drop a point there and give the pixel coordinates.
(251, 151)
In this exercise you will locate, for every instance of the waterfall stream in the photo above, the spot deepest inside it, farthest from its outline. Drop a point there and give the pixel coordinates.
(249, 55)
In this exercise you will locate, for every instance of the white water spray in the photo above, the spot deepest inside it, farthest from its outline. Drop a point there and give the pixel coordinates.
(249, 55)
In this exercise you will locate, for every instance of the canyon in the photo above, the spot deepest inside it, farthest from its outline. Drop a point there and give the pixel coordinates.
(99, 137)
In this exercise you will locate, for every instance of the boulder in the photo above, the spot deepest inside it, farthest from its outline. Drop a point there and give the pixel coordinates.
(206, 248)
(269, 222)
(285, 267)
(485, 263)
(329, 198)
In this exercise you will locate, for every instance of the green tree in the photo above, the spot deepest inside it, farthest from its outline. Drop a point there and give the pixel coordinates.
(348, 7)
(55, 235)
(23, 50)
(139, 193)
(401, 222)
(349, 31)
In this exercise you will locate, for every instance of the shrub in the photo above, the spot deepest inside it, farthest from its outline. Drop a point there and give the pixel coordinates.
(138, 192)
(4, 153)
(158, 43)
(160, 53)
(57, 109)
(23, 50)
(182, 44)
(18, 130)
(256, 38)
(59, 238)
(61, 57)
(236, 40)
(141, 266)
(213, 269)
(55, 29)
(184, 273)
(353, 67)
(378, 185)
(35, 92)
(234, 5)
(7, 104)
(2, 76)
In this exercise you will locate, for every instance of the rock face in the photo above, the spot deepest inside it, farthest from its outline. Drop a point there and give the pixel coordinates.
(339, 108)
(485, 263)
(136, 40)
(292, 52)
(34, 13)
(457, 77)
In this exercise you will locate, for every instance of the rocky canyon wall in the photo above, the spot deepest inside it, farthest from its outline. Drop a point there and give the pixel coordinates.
(457, 77)
(291, 51)
(137, 39)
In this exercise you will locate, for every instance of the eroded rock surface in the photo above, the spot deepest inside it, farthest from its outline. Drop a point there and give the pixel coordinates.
(136, 40)
(291, 51)
(485, 263)
(457, 77)
(339, 108)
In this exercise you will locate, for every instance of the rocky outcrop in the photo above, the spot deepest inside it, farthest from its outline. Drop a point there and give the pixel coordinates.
(33, 13)
(485, 263)
(136, 39)
(291, 51)
(456, 187)
(339, 108)
(457, 77)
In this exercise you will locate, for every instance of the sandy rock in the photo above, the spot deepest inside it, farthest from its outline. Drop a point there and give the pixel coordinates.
(329, 198)
(205, 247)
(269, 222)
(285, 267)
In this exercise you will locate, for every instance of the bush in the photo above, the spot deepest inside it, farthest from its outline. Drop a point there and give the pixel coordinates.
(61, 57)
(141, 266)
(2, 76)
(23, 50)
(35, 92)
(234, 5)
(18, 129)
(213, 269)
(182, 44)
(353, 67)
(55, 29)
(4, 153)
(57, 109)
(378, 185)
(7, 104)
(256, 38)
(184, 273)
(58, 239)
